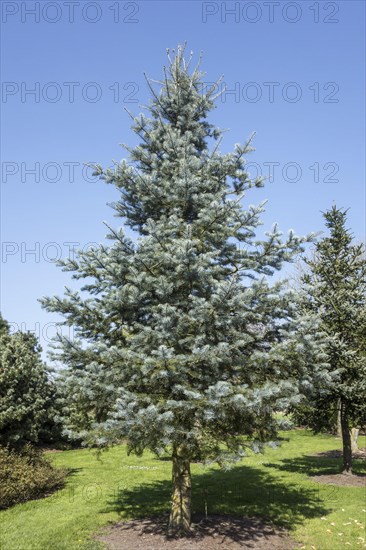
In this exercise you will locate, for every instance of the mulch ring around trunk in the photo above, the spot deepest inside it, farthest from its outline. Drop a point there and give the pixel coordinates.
(342, 480)
(217, 532)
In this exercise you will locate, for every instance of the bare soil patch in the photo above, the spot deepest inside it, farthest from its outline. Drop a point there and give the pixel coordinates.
(343, 480)
(217, 532)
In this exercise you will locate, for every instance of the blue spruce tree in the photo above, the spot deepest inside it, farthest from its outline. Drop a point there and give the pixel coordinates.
(183, 344)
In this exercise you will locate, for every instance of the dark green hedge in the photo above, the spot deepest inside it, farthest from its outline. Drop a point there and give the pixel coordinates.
(26, 475)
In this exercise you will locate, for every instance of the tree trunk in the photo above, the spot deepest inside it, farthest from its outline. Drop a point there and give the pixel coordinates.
(339, 424)
(346, 438)
(180, 511)
(354, 438)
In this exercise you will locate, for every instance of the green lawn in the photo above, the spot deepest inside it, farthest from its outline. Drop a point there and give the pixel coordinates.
(274, 485)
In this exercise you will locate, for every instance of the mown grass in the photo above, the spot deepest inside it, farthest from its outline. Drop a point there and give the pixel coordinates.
(275, 485)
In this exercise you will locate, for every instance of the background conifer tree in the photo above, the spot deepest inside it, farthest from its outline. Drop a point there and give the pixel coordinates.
(336, 285)
(183, 345)
(27, 392)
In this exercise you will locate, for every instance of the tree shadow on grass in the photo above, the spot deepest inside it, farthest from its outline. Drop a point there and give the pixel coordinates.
(71, 472)
(242, 491)
(316, 465)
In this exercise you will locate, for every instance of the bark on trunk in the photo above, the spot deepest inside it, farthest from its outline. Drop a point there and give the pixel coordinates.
(354, 439)
(339, 423)
(346, 438)
(180, 511)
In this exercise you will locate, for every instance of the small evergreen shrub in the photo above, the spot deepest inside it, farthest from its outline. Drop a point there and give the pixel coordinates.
(26, 474)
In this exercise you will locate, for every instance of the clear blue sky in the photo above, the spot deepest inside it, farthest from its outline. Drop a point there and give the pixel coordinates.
(297, 69)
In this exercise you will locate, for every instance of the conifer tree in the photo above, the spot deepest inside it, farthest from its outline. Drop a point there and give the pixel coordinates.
(336, 286)
(183, 345)
(26, 390)
(4, 325)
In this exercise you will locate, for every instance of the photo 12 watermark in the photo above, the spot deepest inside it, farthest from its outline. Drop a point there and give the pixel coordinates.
(69, 171)
(270, 12)
(294, 171)
(28, 12)
(44, 332)
(69, 92)
(273, 91)
(48, 252)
